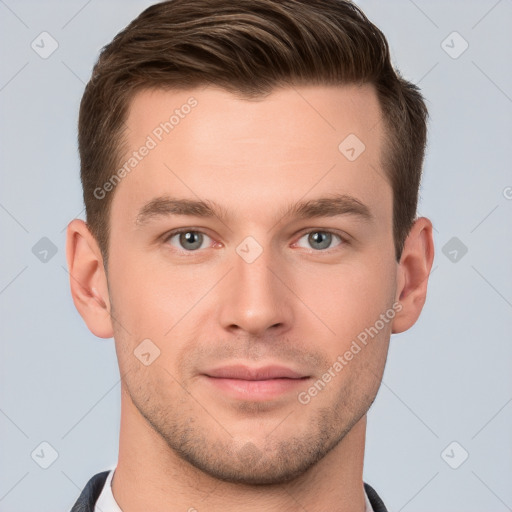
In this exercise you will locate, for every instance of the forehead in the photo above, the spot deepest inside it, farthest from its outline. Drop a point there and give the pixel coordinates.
(254, 155)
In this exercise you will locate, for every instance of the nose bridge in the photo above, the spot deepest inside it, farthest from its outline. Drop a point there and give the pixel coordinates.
(255, 299)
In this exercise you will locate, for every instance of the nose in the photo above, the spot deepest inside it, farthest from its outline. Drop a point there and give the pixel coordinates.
(254, 298)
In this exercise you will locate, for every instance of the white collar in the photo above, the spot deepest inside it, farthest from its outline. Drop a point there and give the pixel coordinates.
(107, 503)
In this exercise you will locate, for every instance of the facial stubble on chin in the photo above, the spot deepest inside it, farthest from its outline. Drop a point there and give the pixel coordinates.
(192, 433)
(207, 446)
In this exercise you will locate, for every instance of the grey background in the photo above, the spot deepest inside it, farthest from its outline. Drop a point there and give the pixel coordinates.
(447, 379)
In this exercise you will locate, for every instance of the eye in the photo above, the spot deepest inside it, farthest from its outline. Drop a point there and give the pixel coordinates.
(186, 239)
(320, 240)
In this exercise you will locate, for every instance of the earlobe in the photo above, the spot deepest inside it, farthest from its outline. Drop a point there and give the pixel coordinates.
(413, 273)
(87, 277)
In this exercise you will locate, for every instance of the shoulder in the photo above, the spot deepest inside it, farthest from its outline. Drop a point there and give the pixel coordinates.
(90, 493)
(375, 500)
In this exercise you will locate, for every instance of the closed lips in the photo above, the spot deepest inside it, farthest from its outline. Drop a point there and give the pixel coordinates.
(246, 373)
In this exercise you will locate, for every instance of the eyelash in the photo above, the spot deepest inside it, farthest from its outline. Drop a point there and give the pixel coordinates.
(344, 240)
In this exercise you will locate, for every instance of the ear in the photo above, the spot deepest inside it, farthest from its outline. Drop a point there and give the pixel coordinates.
(413, 273)
(87, 279)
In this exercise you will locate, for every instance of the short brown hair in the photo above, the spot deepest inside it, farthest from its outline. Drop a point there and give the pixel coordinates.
(248, 47)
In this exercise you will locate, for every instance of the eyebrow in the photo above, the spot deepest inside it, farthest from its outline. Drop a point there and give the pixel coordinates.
(331, 206)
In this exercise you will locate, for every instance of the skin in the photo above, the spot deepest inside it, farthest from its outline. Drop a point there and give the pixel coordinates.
(184, 443)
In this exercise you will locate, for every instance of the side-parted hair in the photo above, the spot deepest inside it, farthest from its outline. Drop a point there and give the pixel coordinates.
(248, 47)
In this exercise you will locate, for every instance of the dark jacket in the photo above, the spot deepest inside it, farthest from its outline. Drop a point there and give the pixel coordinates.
(92, 491)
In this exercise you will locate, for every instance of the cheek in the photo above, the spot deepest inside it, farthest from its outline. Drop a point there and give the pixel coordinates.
(156, 302)
(140, 290)
(348, 297)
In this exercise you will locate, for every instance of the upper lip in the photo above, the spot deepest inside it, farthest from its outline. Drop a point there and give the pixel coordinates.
(246, 373)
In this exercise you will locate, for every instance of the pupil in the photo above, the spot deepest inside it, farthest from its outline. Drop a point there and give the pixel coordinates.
(323, 239)
(188, 238)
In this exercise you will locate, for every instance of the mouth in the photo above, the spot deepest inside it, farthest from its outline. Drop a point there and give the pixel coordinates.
(257, 384)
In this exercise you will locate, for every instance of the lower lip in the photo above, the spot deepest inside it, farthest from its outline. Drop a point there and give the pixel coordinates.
(256, 389)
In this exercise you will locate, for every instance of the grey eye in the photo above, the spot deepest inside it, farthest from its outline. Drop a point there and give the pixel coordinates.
(319, 240)
(188, 240)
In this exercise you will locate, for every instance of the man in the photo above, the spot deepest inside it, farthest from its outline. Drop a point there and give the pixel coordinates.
(250, 173)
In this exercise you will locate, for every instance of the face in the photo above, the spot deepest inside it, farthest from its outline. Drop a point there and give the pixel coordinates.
(252, 310)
